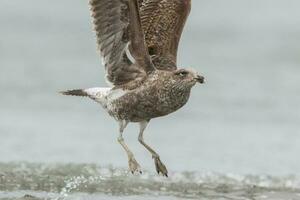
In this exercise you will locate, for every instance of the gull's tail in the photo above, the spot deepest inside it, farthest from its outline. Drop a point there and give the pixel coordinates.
(77, 92)
(98, 94)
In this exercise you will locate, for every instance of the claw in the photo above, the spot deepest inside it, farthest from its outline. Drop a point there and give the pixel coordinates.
(160, 167)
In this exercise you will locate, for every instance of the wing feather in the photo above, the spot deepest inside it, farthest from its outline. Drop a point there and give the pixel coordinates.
(116, 24)
(163, 22)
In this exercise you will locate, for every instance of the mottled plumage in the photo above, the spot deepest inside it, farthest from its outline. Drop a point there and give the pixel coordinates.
(138, 42)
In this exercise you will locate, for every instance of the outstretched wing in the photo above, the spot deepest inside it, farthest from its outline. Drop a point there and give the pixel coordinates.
(120, 40)
(163, 22)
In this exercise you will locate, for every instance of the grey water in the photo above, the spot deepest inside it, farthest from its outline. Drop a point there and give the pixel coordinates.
(237, 138)
(87, 181)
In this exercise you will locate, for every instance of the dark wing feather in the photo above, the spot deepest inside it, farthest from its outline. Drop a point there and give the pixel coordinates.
(118, 29)
(163, 22)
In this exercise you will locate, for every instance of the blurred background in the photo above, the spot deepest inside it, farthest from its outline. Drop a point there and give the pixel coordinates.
(245, 119)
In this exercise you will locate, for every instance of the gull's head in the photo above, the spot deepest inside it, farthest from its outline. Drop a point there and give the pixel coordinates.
(188, 77)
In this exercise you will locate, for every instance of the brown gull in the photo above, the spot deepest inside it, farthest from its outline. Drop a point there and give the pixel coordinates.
(138, 42)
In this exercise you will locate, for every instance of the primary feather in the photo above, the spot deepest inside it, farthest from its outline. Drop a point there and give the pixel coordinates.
(131, 35)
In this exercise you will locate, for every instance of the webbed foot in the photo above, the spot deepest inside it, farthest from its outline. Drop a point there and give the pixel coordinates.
(160, 167)
(134, 166)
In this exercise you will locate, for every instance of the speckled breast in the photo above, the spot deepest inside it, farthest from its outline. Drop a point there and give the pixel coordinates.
(154, 99)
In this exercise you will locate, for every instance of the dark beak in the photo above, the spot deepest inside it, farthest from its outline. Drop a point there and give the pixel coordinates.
(200, 79)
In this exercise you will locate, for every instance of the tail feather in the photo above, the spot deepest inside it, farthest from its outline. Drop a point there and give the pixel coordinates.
(77, 92)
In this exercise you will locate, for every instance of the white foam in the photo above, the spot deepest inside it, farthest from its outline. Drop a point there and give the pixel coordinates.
(84, 178)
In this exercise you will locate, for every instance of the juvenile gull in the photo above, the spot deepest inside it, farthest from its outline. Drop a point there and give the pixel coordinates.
(138, 42)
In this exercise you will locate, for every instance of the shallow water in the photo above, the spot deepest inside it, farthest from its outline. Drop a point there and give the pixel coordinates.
(88, 181)
(247, 113)
(244, 120)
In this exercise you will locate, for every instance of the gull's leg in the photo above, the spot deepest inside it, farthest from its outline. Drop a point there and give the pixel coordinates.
(133, 164)
(160, 167)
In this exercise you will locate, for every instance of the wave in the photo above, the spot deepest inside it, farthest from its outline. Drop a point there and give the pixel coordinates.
(69, 179)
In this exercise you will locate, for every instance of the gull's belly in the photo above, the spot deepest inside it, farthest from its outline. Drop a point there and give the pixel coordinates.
(144, 105)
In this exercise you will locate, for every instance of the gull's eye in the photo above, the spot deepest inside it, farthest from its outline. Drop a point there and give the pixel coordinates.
(182, 73)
